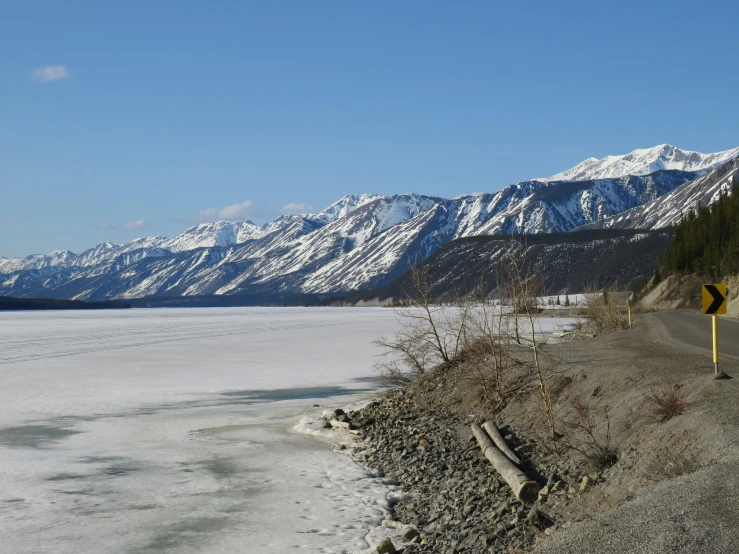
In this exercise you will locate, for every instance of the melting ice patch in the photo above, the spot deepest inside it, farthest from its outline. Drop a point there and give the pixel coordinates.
(170, 431)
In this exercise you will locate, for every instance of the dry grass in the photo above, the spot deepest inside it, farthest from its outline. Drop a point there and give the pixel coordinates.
(675, 459)
(667, 400)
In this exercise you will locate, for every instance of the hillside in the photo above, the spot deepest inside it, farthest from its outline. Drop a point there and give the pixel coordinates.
(563, 261)
(705, 249)
(669, 209)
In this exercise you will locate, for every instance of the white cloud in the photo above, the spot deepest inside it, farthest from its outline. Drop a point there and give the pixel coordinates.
(293, 208)
(50, 73)
(138, 225)
(244, 210)
(17, 218)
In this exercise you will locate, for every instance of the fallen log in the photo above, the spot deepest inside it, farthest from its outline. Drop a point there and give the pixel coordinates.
(336, 424)
(492, 430)
(524, 488)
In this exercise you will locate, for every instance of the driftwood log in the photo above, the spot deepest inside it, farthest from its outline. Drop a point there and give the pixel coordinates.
(492, 430)
(524, 488)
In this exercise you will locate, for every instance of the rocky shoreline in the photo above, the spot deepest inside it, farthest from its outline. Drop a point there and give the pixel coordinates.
(624, 478)
(455, 502)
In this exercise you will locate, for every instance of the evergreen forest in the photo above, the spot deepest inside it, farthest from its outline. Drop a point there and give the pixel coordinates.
(706, 241)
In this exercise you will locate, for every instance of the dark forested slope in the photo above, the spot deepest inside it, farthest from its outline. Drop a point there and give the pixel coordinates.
(562, 261)
(8, 303)
(706, 241)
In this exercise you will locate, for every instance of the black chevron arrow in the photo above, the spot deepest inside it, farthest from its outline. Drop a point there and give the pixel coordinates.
(718, 299)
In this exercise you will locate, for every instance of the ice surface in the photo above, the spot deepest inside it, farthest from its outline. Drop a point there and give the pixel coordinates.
(170, 430)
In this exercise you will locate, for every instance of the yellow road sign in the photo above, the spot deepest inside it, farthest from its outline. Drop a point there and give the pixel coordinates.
(714, 299)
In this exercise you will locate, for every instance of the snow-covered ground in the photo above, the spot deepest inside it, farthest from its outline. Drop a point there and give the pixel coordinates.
(170, 430)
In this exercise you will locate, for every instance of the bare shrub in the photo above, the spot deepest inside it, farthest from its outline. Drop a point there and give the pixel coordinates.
(472, 352)
(429, 336)
(589, 437)
(667, 400)
(675, 459)
(489, 365)
(523, 288)
(604, 310)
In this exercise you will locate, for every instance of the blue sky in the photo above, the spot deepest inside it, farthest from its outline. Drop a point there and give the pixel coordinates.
(122, 119)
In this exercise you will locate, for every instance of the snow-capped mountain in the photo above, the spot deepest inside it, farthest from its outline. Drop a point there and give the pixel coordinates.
(361, 241)
(36, 261)
(346, 205)
(643, 162)
(220, 233)
(529, 207)
(669, 209)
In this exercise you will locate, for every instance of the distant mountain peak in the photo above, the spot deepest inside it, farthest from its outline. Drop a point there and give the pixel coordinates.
(346, 205)
(643, 161)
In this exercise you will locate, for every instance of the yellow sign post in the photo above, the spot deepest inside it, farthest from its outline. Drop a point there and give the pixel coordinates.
(714, 303)
(629, 309)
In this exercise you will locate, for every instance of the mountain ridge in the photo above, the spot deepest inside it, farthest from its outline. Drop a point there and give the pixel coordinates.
(643, 161)
(669, 209)
(360, 241)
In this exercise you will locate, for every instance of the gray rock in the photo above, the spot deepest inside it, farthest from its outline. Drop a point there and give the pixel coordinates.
(386, 546)
(586, 483)
(412, 535)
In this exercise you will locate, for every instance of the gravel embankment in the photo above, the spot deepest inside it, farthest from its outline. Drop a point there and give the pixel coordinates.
(673, 488)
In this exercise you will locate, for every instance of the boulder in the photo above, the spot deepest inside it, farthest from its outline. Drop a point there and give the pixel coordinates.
(386, 546)
(412, 535)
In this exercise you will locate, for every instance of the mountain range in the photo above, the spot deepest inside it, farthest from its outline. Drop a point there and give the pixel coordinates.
(669, 209)
(582, 259)
(359, 242)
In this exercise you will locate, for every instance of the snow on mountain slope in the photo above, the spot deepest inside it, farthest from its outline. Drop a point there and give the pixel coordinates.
(528, 207)
(220, 233)
(36, 261)
(281, 257)
(332, 241)
(669, 209)
(347, 205)
(562, 261)
(360, 241)
(643, 162)
(364, 248)
(387, 255)
(561, 206)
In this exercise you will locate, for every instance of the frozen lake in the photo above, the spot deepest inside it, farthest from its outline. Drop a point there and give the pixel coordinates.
(169, 430)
